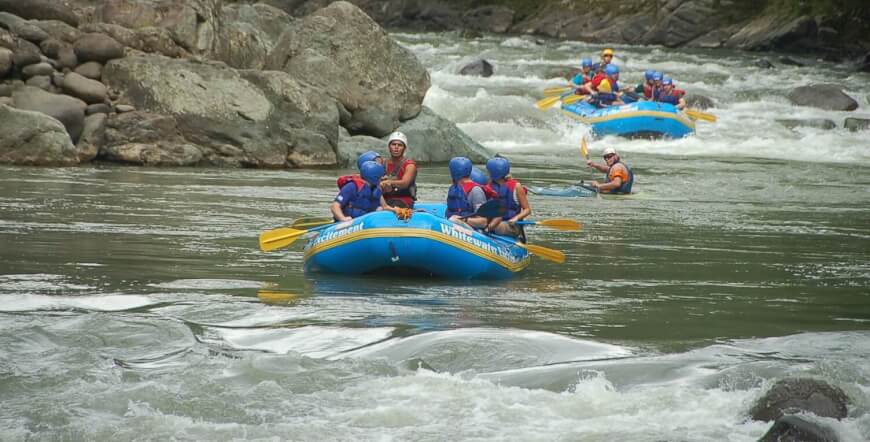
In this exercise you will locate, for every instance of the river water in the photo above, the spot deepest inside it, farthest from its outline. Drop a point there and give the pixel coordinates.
(135, 305)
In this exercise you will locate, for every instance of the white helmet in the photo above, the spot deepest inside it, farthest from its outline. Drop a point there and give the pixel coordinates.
(398, 136)
(608, 151)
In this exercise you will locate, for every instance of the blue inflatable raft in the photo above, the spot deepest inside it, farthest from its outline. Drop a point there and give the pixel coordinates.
(426, 244)
(641, 119)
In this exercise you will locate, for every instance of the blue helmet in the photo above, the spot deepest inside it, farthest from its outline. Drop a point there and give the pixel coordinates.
(657, 76)
(648, 75)
(498, 168)
(460, 167)
(372, 172)
(667, 81)
(611, 69)
(479, 177)
(367, 156)
(586, 63)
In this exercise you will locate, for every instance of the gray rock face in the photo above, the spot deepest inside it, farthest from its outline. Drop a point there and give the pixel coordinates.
(33, 138)
(98, 47)
(823, 96)
(89, 91)
(40, 10)
(147, 39)
(480, 68)
(379, 83)
(93, 137)
(249, 33)
(489, 18)
(68, 110)
(193, 24)
(5, 62)
(793, 395)
(264, 119)
(145, 138)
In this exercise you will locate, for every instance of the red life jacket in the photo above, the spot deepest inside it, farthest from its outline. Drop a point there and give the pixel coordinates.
(647, 90)
(409, 195)
(342, 180)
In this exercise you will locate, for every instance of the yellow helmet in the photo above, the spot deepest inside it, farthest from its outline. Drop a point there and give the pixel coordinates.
(607, 51)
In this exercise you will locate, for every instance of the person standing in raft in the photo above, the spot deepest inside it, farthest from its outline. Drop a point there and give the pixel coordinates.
(619, 175)
(400, 186)
(512, 195)
(606, 59)
(360, 194)
(465, 195)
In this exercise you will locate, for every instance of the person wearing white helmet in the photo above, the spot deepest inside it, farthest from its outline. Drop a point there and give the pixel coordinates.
(400, 184)
(619, 178)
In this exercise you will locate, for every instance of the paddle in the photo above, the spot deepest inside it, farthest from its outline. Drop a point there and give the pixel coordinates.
(557, 90)
(283, 237)
(302, 223)
(548, 102)
(558, 224)
(699, 115)
(572, 99)
(541, 251)
(583, 150)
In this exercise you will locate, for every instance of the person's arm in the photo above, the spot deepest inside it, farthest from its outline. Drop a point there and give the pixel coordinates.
(335, 208)
(476, 197)
(523, 199)
(389, 185)
(681, 104)
(599, 167)
(385, 206)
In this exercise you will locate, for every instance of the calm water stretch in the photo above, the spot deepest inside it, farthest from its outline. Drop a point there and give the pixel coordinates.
(135, 305)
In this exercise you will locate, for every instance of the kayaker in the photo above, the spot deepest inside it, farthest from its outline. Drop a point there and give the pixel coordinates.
(584, 76)
(400, 186)
(513, 196)
(668, 94)
(605, 87)
(465, 195)
(361, 194)
(619, 176)
(606, 59)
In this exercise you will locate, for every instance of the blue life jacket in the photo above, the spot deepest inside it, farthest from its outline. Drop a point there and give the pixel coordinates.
(626, 185)
(457, 199)
(366, 199)
(505, 194)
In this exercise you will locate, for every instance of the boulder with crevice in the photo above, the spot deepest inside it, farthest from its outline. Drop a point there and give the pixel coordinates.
(193, 24)
(380, 83)
(93, 137)
(33, 138)
(145, 138)
(68, 110)
(249, 33)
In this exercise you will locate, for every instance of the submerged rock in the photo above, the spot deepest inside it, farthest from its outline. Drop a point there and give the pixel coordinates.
(798, 429)
(856, 124)
(480, 68)
(790, 396)
(818, 123)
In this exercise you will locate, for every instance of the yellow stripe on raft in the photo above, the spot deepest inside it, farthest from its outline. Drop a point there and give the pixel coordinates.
(418, 233)
(623, 115)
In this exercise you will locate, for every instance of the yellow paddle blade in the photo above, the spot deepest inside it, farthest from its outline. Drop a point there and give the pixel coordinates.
(548, 102)
(307, 223)
(572, 99)
(279, 238)
(548, 254)
(583, 150)
(561, 224)
(557, 90)
(698, 115)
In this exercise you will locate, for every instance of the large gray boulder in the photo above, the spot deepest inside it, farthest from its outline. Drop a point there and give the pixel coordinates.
(193, 24)
(249, 33)
(68, 110)
(790, 396)
(823, 96)
(40, 10)
(148, 39)
(796, 428)
(340, 49)
(253, 118)
(33, 138)
(98, 47)
(144, 138)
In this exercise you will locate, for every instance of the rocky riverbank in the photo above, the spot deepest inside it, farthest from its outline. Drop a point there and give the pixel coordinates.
(207, 82)
(833, 29)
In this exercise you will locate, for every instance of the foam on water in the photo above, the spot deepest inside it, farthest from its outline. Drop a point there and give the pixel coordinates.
(104, 303)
